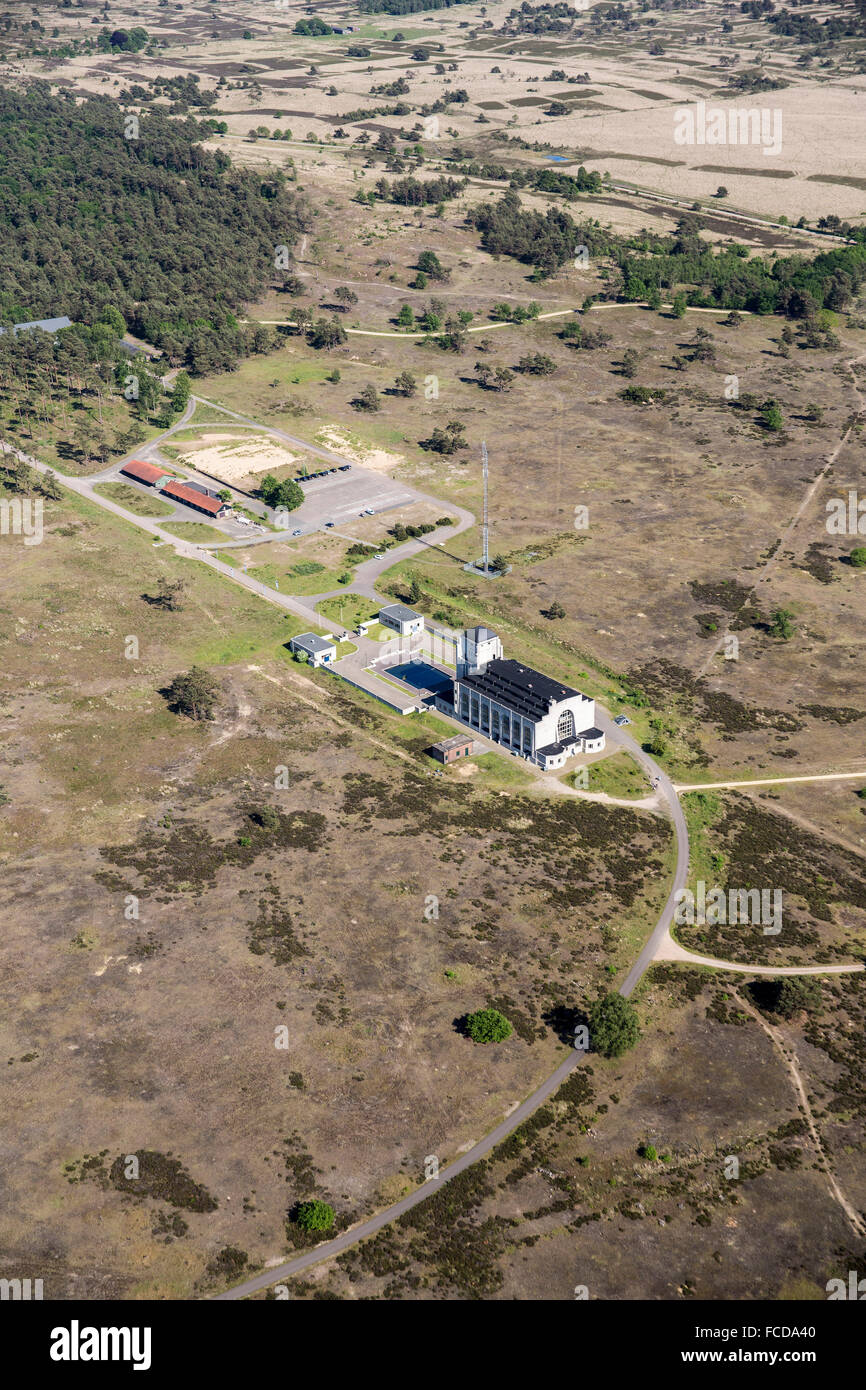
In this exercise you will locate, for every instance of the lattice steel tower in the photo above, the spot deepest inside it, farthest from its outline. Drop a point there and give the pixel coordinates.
(485, 520)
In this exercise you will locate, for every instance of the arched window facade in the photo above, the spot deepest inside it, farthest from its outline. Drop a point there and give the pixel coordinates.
(565, 726)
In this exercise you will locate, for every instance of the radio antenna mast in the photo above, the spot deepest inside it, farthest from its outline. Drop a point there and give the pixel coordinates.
(485, 526)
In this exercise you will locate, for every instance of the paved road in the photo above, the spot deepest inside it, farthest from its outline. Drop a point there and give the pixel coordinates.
(366, 573)
(291, 1268)
(666, 789)
(384, 1218)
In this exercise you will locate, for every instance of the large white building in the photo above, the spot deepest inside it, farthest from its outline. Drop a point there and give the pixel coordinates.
(476, 646)
(528, 713)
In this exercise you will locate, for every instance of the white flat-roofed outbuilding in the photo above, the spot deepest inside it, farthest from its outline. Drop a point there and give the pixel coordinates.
(402, 619)
(320, 651)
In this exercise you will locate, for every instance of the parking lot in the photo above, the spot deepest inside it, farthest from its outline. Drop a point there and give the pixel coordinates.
(341, 497)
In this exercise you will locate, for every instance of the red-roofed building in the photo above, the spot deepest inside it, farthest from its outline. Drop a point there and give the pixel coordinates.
(143, 472)
(211, 506)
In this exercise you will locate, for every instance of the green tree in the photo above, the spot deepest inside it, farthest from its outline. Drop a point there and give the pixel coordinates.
(630, 359)
(405, 384)
(488, 1025)
(429, 265)
(782, 624)
(368, 398)
(345, 296)
(771, 416)
(679, 306)
(49, 487)
(169, 593)
(315, 1215)
(406, 317)
(326, 333)
(858, 557)
(194, 693)
(286, 494)
(797, 992)
(181, 391)
(613, 1026)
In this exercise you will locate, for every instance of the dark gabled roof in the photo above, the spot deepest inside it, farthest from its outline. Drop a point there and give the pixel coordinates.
(200, 487)
(526, 691)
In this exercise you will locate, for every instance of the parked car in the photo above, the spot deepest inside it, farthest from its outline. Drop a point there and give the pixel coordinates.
(296, 533)
(621, 720)
(328, 525)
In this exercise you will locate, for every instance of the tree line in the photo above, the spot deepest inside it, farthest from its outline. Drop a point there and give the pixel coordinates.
(154, 225)
(416, 193)
(723, 278)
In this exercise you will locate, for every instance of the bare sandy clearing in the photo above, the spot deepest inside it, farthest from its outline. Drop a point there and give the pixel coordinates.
(232, 458)
(379, 460)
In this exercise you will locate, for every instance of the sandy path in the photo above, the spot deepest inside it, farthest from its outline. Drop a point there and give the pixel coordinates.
(772, 781)
(790, 1060)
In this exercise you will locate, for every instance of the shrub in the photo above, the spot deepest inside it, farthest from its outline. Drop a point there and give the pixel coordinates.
(315, 1216)
(613, 1026)
(194, 693)
(488, 1025)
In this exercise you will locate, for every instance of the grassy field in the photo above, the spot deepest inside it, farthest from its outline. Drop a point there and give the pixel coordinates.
(194, 531)
(619, 775)
(289, 581)
(133, 500)
(350, 611)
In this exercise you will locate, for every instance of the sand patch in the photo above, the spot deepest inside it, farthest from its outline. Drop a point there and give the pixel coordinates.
(233, 458)
(378, 460)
